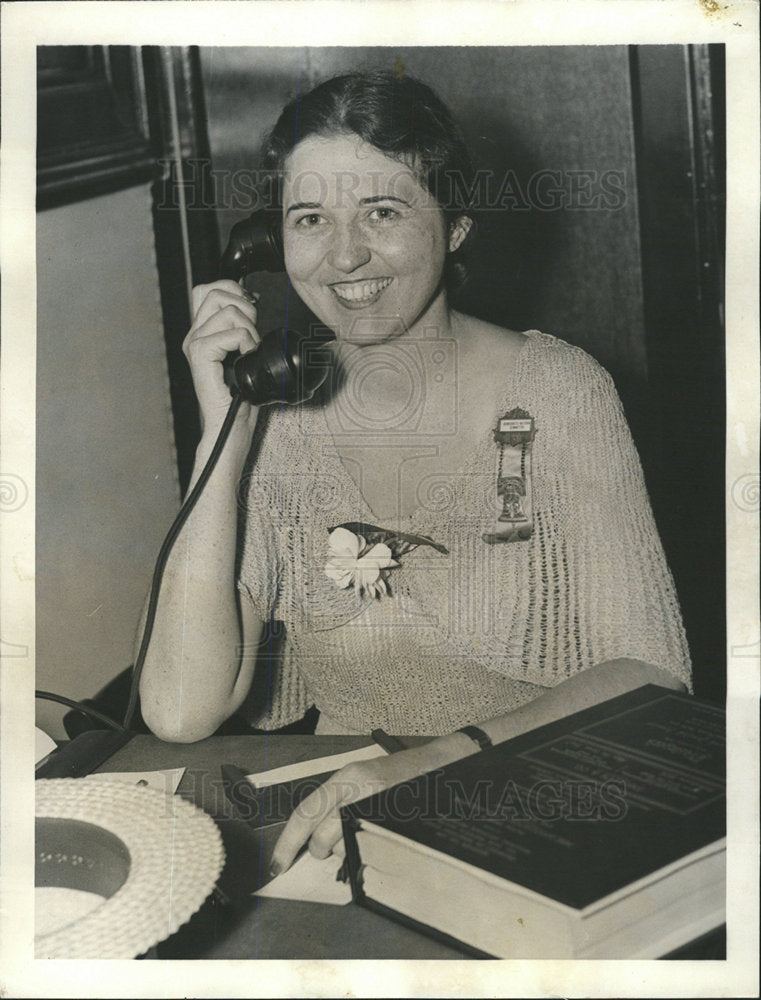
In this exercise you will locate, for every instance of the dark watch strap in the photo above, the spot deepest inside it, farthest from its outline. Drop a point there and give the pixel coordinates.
(477, 735)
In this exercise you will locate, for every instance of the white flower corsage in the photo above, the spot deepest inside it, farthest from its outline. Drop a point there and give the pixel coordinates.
(352, 561)
(364, 557)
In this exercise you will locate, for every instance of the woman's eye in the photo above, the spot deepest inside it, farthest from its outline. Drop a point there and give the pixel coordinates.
(383, 214)
(310, 221)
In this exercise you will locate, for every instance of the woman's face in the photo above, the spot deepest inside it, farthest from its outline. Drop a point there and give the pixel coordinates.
(364, 241)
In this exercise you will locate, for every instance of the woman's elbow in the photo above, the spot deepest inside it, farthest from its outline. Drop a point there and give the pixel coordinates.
(176, 726)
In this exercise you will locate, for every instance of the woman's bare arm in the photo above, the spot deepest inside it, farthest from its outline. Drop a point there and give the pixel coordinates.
(196, 673)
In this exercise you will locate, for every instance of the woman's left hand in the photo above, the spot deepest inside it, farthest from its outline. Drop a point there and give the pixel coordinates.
(316, 820)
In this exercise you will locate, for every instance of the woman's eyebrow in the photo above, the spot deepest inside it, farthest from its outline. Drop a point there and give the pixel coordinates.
(383, 197)
(303, 204)
(371, 200)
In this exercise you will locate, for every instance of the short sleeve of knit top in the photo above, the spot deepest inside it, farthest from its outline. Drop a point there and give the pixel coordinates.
(485, 628)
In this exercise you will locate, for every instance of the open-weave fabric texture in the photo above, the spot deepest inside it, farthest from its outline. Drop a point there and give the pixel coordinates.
(486, 628)
(175, 856)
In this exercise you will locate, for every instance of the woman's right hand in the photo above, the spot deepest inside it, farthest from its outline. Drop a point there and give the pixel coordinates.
(224, 320)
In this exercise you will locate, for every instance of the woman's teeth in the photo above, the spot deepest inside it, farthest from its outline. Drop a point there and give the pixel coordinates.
(361, 291)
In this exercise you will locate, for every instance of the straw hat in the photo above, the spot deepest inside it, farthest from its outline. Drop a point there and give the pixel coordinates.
(141, 861)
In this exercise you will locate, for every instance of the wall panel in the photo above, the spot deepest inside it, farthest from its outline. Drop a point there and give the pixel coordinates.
(107, 485)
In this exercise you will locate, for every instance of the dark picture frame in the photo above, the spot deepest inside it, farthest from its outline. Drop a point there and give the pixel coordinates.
(93, 132)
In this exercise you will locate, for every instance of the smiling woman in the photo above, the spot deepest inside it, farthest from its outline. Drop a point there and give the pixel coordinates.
(531, 582)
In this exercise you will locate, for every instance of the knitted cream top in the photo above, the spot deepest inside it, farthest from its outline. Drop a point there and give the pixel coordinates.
(482, 630)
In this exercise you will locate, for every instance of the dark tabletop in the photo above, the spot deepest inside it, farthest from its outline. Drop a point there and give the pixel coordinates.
(234, 923)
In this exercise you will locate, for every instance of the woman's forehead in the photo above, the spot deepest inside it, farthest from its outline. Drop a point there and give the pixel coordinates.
(344, 169)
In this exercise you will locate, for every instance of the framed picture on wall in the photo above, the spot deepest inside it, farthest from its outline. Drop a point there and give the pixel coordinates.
(93, 122)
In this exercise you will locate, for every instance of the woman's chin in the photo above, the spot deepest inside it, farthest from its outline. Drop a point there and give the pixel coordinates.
(363, 331)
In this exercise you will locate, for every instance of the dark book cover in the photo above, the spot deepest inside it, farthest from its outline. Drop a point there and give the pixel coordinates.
(576, 809)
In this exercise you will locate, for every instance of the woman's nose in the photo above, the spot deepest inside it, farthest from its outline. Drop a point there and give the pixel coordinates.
(349, 249)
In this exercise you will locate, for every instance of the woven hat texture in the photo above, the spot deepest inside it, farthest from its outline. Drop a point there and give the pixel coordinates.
(176, 855)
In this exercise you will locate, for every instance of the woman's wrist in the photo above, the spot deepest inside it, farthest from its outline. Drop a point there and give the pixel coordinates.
(479, 737)
(243, 424)
(238, 443)
(445, 750)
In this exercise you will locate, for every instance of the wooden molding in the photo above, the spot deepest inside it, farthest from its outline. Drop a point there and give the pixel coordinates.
(92, 123)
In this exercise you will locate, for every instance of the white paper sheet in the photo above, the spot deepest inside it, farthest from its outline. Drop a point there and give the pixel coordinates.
(43, 744)
(310, 880)
(305, 768)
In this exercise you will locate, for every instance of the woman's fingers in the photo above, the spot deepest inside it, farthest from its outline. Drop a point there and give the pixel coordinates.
(316, 819)
(224, 284)
(317, 808)
(216, 299)
(204, 297)
(326, 838)
(224, 321)
(229, 329)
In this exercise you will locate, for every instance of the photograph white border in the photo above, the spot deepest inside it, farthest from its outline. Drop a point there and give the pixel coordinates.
(390, 23)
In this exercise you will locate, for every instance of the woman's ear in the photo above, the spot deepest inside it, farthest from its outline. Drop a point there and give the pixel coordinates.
(458, 230)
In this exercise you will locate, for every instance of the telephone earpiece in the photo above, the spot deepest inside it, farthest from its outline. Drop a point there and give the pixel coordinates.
(255, 244)
(288, 366)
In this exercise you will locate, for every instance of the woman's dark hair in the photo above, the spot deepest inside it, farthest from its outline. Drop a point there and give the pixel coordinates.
(402, 118)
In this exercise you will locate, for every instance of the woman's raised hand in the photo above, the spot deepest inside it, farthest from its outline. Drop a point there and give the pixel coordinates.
(224, 320)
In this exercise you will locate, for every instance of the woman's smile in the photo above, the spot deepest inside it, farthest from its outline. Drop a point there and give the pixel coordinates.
(360, 293)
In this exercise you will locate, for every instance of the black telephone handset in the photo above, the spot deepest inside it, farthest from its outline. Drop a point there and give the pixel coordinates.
(288, 366)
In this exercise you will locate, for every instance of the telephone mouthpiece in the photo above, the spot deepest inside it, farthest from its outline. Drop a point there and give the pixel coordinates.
(287, 367)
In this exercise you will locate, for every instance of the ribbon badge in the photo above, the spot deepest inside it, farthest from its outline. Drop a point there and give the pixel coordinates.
(513, 516)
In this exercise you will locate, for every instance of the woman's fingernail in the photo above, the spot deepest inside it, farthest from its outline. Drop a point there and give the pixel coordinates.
(275, 869)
